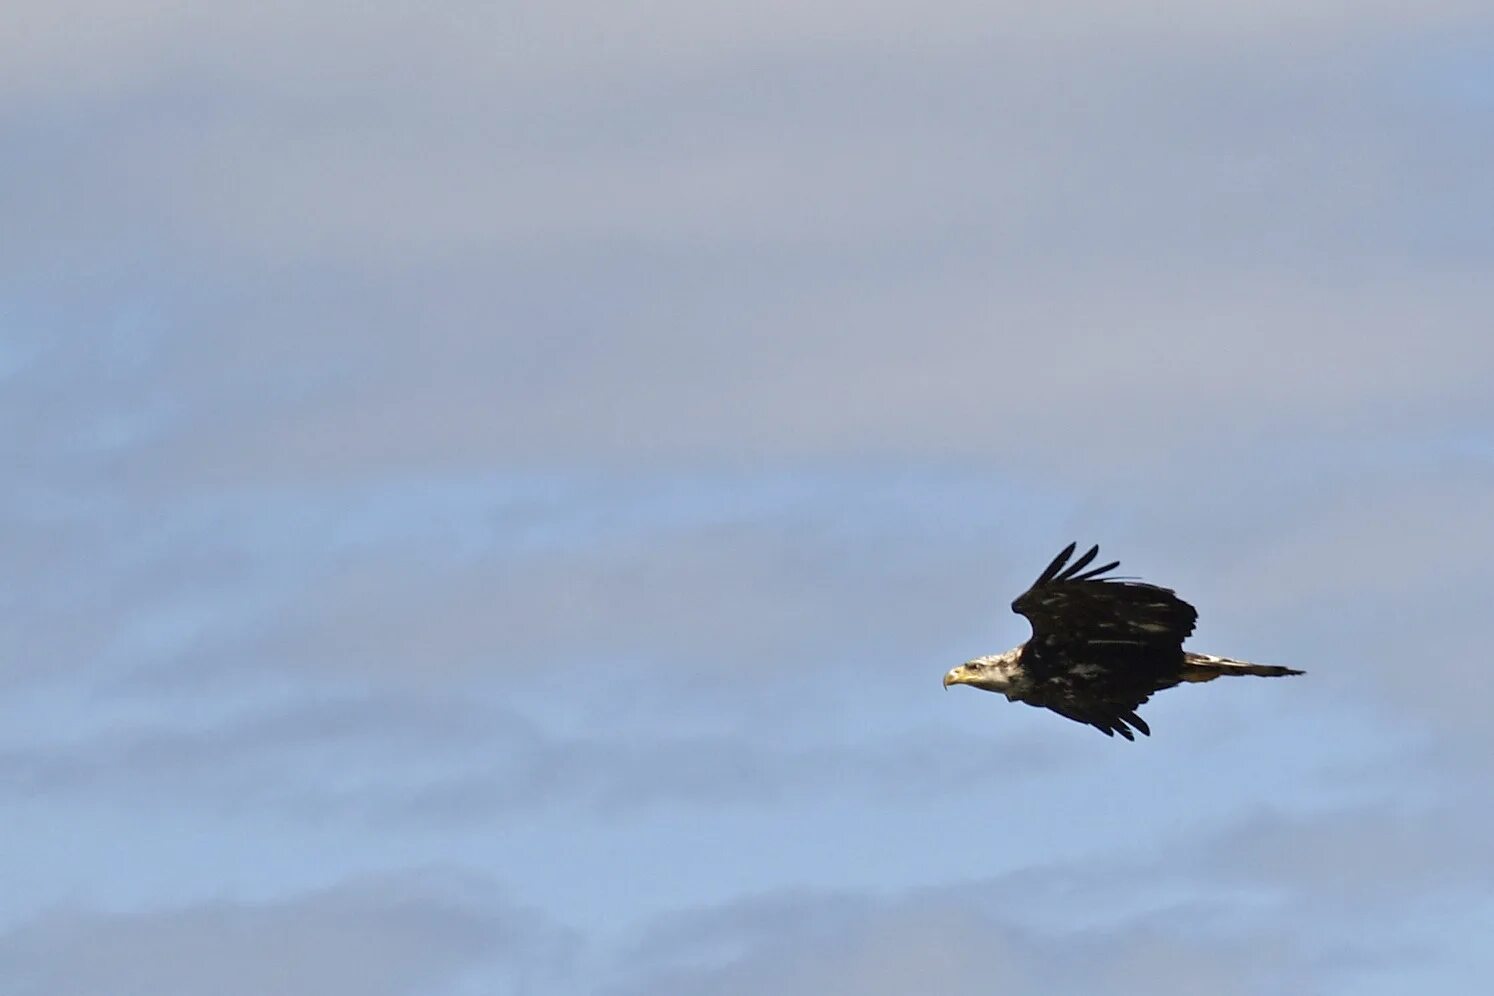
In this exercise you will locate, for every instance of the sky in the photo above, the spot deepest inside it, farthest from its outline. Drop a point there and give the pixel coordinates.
(492, 490)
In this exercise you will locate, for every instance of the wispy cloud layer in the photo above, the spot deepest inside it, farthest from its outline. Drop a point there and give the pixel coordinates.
(1256, 909)
(567, 445)
(391, 936)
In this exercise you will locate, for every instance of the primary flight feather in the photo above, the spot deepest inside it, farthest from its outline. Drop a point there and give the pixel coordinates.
(1100, 647)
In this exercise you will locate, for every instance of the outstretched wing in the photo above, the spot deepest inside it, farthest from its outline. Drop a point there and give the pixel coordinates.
(1101, 646)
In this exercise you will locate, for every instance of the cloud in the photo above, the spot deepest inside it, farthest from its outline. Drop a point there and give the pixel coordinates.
(761, 598)
(87, 45)
(371, 245)
(478, 433)
(860, 944)
(1226, 912)
(1030, 256)
(412, 761)
(409, 934)
(352, 157)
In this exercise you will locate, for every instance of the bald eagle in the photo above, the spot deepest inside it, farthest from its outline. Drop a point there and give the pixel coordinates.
(1100, 647)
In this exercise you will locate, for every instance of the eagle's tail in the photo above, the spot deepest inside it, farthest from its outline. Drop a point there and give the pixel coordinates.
(1207, 667)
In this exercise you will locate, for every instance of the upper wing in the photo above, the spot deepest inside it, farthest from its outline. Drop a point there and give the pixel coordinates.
(1073, 608)
(1100, 646)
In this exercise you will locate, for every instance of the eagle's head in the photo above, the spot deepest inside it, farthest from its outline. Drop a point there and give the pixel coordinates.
(994, 673)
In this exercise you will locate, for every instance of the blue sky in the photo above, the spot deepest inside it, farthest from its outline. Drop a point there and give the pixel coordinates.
(494, 489)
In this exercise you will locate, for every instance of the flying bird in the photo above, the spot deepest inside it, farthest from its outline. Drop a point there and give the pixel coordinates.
(1100, 647)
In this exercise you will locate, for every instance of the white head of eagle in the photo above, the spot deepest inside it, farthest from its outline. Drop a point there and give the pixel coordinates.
(1100, 647)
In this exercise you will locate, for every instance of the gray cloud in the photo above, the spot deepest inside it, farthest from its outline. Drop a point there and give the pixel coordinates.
(355, 358)
(863, 945)
(400, 935)
(1224, 912)
(1142, 377)
(452, 764)
(100, 42)
(789, 254)
(758, 599)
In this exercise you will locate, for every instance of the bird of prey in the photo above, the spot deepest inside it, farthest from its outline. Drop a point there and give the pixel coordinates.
(1100, 647)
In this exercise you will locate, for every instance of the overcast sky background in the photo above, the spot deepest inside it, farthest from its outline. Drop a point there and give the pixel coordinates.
(491, 491)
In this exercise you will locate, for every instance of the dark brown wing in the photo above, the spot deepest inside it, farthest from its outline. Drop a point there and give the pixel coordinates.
(1100, 647)
(1109, 716)
(1078, 609)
